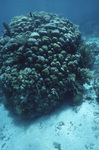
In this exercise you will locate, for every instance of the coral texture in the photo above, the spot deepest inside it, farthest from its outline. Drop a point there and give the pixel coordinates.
(42, 62)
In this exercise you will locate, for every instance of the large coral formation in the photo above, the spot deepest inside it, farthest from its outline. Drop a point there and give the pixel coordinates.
(41, 63)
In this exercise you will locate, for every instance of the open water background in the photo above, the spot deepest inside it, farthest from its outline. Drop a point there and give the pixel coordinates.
(83, 13)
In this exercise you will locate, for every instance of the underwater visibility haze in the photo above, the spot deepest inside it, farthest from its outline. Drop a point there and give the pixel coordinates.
(49, 75)
(80, 12)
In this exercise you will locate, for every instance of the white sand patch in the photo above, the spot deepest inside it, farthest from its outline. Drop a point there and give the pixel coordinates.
(62, 130)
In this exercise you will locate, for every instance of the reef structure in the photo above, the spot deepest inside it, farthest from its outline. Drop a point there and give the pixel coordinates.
(42, 61)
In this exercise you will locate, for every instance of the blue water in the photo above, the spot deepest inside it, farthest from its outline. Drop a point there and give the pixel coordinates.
(81, 12)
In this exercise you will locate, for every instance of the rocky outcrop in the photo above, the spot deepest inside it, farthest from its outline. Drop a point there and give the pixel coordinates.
(42, 60)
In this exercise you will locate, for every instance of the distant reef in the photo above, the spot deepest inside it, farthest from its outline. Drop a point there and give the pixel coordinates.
(43, 61)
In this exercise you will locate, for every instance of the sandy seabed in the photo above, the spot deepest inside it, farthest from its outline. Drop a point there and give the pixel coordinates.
(71, 128)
